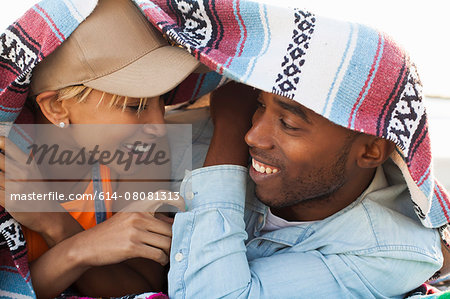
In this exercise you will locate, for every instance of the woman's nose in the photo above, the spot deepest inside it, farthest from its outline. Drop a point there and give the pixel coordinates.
(156, 129)
(153, 119)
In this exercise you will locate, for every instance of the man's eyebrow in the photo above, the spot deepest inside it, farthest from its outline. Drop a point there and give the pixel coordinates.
(293, 108)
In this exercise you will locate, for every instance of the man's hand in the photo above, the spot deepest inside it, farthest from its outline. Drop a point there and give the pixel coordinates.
(232, 108)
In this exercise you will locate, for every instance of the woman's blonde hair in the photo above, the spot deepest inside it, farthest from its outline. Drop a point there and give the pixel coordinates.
(81, 92)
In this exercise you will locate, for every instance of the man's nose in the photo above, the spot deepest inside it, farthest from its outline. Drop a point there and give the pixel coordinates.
(260, 134)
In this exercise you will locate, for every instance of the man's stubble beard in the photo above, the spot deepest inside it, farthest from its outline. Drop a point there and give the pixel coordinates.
(316, 193)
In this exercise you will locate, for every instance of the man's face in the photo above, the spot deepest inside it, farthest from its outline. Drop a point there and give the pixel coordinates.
(304, 156)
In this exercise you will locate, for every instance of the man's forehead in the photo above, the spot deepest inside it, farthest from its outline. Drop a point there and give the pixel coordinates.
(300, 110)
(291, 106)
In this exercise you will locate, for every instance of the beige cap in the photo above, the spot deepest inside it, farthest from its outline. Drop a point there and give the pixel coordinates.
(118, 51)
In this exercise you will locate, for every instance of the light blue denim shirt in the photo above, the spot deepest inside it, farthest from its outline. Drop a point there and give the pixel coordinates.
(374, 248)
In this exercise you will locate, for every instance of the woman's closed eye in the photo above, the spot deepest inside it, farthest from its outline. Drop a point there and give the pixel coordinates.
(136, 108)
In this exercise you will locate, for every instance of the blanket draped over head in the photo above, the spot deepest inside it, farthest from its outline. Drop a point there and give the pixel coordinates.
(353, 75)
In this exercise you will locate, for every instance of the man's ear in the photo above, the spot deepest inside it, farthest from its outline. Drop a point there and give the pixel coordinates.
(374, 152)
(55, 111)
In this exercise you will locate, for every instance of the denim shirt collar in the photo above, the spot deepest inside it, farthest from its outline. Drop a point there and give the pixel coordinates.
(291, 235)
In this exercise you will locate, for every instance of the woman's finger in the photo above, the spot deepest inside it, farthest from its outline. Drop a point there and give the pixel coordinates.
(2, 181)
(164, 217)
(152, 224)
(154, 254)
(12, 151)
(2, 161)
(157, 241)
(2, 189)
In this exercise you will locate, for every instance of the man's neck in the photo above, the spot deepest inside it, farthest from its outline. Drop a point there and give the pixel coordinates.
(323, 207)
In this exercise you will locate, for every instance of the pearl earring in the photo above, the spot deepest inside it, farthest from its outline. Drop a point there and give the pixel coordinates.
(62, 125)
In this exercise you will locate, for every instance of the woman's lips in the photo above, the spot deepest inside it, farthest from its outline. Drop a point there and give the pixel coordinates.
(138, 147)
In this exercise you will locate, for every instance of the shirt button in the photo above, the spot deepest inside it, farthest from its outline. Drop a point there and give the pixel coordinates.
(179, 257)
(260, 219)
(190, 195)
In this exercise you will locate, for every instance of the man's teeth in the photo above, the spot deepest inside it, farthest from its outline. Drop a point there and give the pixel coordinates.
(263, 169)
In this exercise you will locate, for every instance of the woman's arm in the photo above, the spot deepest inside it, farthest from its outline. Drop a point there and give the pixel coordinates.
(122, 237)
(90, 258)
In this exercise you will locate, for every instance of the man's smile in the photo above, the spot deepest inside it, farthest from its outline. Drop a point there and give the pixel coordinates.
(263, 168)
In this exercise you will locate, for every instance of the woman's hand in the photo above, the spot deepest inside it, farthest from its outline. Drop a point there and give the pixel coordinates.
(100, 261)
(124, 236)
(53, 226)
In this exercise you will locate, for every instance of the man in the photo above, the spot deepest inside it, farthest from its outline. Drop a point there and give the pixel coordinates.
(329, 215)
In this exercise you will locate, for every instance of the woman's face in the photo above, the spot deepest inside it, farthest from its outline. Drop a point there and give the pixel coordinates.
(124, 129)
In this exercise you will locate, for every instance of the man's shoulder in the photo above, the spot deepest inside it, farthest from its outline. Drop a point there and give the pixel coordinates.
(369, 228)
(390, 214)
(373, 239)
(394, 230)
(398, 244)
(386, 214)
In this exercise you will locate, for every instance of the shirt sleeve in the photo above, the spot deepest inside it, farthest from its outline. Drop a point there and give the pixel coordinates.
(209, 237)
(208, 256)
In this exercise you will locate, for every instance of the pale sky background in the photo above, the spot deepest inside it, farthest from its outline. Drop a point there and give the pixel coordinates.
(423, 28)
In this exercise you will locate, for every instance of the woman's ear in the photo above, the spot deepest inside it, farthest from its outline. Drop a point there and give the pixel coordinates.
(55, 111)
(374, 152)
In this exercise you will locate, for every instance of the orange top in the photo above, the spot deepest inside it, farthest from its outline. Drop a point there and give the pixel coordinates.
(35, 243)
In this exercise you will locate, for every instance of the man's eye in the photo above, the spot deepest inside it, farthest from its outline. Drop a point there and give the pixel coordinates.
(260, 104)
(287, 126)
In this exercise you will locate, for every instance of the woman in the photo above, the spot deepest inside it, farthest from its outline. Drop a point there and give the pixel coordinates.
(111, 70)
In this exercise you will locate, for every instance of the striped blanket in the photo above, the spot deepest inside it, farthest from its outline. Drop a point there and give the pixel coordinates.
(354, 75)
(351, 74)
